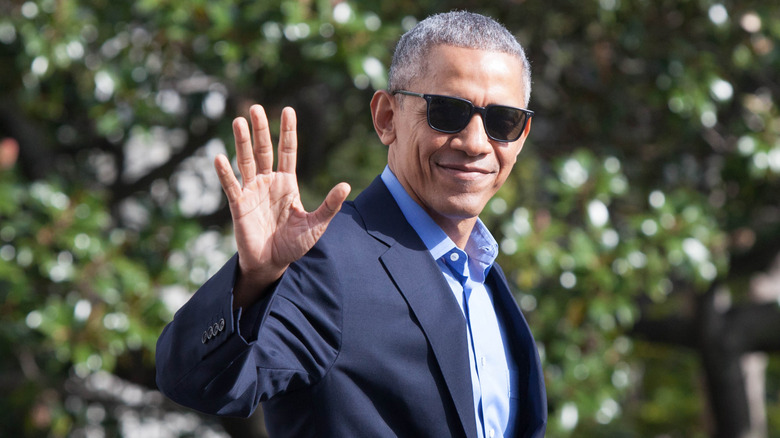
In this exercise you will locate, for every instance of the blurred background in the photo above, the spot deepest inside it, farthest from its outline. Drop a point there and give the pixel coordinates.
(640, 228)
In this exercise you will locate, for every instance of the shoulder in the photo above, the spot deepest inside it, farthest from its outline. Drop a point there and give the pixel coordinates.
(347, 235)
(347, 223)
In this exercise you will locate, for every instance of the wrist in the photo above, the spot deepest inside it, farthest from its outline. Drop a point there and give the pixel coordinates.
(250, 287)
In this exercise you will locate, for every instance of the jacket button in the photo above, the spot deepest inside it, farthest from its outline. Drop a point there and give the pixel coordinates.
(222, 324)
(211, 331)
(204, 338)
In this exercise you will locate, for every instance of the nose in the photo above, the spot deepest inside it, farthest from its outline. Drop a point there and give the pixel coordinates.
(473, 139)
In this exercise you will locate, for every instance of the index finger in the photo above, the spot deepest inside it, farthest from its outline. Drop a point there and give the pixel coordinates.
(244, 158)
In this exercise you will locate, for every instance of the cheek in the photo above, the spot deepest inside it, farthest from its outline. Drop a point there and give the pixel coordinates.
(506, 163)
(426, 148)
(410, 158)
(507, 160)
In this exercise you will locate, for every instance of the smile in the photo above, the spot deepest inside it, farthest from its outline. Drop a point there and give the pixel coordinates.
(465, 172)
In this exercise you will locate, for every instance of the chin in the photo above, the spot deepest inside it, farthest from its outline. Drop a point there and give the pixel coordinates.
(458, 209)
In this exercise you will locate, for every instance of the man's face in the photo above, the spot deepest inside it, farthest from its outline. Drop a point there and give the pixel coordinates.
(452, 176)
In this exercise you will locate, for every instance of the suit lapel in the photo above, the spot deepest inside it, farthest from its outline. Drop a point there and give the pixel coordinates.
(420, 281)
(533, 413)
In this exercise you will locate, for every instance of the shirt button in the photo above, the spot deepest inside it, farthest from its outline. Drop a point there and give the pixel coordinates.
(454, 257)
(483, 360)
(492, 433)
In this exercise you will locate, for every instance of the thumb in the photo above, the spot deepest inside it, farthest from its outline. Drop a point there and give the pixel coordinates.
(332, 204)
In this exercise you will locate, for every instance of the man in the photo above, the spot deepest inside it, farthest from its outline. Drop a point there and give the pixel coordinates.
(395, 321)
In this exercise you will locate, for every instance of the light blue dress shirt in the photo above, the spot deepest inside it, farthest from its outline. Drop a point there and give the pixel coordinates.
(492, 367)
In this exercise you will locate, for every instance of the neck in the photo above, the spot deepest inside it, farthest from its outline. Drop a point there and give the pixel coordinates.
(458, 230)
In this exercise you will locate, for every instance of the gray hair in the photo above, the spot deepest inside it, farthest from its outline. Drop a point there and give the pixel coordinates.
(459, 29)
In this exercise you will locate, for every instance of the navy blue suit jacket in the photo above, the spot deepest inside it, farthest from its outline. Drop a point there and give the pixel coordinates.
(362, 337)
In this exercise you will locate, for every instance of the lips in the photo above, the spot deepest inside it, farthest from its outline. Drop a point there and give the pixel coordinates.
(465, 171)
(464, 168)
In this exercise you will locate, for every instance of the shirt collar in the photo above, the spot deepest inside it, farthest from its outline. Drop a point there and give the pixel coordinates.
(481, 246)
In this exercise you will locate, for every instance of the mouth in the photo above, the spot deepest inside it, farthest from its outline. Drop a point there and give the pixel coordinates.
(464, 171)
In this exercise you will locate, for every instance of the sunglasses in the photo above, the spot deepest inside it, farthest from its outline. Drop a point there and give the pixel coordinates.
(452, 114)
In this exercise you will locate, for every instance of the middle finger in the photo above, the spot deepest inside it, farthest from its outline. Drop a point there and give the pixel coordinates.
(264, 155)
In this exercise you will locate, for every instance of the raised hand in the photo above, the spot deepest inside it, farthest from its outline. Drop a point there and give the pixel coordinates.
(272, 228)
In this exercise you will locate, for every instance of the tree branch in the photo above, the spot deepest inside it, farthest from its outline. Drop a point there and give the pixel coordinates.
(758, 257)
(674, 330)
(122, 190)
(756, 326)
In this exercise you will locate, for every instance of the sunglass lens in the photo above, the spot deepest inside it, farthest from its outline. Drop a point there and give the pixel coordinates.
(505, 123)
(447, 114)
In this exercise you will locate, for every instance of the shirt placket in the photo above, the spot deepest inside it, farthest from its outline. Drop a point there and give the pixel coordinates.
(480, 326)
(457, 262)
(484, 329)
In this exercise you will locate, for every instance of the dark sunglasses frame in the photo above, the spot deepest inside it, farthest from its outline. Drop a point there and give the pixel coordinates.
(483, 111)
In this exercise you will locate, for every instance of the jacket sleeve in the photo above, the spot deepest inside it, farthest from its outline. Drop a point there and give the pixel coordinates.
(219, 363)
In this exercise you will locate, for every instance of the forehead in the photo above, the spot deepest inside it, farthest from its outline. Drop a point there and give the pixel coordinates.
(478, 75)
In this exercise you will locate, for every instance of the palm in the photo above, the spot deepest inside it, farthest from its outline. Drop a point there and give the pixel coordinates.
(272, 228)
(270, 225)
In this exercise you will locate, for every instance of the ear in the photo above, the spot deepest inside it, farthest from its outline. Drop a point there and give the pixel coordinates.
(383, 107)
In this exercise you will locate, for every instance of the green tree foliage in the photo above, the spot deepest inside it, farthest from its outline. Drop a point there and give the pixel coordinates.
(640, 227)
(647, 209)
